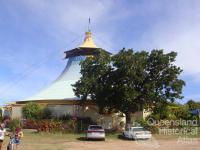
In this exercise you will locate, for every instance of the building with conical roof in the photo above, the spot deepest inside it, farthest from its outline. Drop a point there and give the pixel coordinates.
(61, 88)
(59, 96)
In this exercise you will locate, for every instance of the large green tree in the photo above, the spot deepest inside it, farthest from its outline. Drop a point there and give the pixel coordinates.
(128, 81)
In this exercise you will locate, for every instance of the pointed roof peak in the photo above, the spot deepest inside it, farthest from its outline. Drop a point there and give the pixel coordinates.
(88, 41)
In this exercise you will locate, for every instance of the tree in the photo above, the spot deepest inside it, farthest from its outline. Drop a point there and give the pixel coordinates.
(129, 81)
(171, 111)
(31, 111)
(160, 111)
(1, 114)
(193, 105)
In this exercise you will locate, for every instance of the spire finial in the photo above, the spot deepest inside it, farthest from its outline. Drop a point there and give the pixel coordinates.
(88, 41)
(89, 25)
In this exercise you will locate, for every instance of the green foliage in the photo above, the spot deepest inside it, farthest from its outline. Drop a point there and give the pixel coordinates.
(193, 105)
(1, 115)
(93, 70)
(13, 124)
(148, 127)
(171, 111)
(32, 111)
(83, 123)
(180, 112)
(46, 113)
(160, 111)
(129, 80)
(55, 125)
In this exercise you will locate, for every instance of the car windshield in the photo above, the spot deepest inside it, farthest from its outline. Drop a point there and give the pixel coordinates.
(137, 129)
(95, 127)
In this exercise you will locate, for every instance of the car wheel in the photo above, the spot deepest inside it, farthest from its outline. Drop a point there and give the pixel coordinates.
(134, 138)
(122, 135)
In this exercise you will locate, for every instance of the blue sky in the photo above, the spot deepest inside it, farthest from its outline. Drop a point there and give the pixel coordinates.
(35, 33)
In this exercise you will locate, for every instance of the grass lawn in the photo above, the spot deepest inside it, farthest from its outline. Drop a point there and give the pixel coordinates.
(47, 141)
(43, 141)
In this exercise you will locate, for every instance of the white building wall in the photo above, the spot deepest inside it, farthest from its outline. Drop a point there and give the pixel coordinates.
(108, 121)
(16, 112)
(60, 110)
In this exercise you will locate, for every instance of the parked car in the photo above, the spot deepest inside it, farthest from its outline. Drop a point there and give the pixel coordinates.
(137, 133)
(95, 132)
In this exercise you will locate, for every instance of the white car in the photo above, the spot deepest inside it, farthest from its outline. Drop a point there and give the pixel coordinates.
(95, 132)
(137, 133)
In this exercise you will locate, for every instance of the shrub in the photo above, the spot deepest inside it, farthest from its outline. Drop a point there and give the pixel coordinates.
(46, 113)
(1, 114)
(145, 125)
(29, 124)
(83, 123)
(32, 111)
(54, 126)
(182, 112)
(64, 124)
(13, 124)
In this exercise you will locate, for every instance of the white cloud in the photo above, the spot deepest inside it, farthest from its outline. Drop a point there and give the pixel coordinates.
(59, 20)
(177, 31)
(195, 97)
(176, 27)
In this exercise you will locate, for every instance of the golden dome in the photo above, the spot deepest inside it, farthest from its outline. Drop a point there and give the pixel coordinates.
(88, 41)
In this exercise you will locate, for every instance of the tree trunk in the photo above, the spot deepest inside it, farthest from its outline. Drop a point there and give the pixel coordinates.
(128, 120)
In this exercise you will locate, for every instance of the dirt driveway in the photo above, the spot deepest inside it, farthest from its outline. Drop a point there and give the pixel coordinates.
(163, 144)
